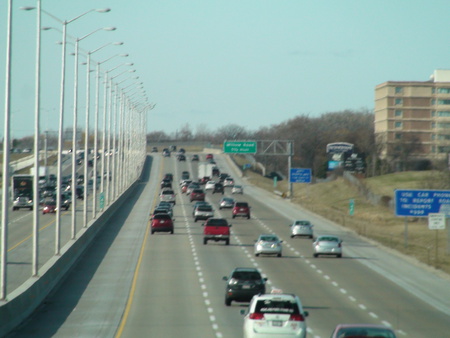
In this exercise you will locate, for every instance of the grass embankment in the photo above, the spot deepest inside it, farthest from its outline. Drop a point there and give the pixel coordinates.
(379, 223)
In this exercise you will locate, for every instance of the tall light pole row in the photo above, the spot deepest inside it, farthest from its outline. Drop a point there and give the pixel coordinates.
(113, 139)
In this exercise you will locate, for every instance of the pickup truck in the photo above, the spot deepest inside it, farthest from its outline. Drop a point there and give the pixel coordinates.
(216, 229)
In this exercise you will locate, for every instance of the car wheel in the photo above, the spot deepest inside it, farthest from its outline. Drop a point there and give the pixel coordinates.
(292, 236)
(205, 241)
(31, 208)
(227, 301)
(14, 208)
(171, 232)
(195, 219)
(220, 208)
(257, 254)
(315, 255)
(279, 255)
(339, 256)
(234, 216)
(227, 242)
(248, 216)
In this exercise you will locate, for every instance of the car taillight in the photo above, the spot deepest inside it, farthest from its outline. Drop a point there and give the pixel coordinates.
(296, 318)
(256, 315)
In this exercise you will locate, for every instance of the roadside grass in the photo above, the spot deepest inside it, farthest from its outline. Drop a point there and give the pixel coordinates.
(409, 236)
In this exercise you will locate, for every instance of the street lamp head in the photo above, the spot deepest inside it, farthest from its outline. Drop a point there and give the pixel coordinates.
(117, 43)
(27, 8)
(124, 55)
(103, 10)
(109, 28)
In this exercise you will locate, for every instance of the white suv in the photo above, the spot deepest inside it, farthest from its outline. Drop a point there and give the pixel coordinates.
(167, 195)
(275, 314)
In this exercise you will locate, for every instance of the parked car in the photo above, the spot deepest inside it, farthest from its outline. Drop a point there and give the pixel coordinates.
(241, 209)
(226, 203)
(228, 182)
(197, 195)
(216, 229)
(243, 284)
(167, 195)
(275, 315)
(218, 188)
(154, 149)
(268, 244)
(161, 223)
(195, 158)
(203, 212)
(363, 330)
(210, 185)
(22, 202)
(49, 207)
(327, 245)
(301, 228)
(237, 189)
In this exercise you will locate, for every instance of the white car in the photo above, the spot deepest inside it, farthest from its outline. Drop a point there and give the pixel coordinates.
(268, 244)
(228, 182)
(237, 189)
(301, 228)
(167, 195)
(210, 185)
(203, 212)
(275, 315)
(327, 245)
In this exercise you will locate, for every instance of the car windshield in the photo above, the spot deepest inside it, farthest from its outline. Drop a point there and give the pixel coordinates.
(228, 200)
(365, 332)
(167, 192)
(328, 239)
(162, 216)
(276, 306)
(204, 208)
(217, 222)
(246, 275)
(241, 204)
(302, 223)
(269, 238)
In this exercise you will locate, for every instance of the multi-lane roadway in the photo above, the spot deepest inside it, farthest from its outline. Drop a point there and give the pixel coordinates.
(133, 284)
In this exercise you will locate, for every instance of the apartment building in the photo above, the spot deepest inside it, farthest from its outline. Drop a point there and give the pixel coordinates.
(412, 118)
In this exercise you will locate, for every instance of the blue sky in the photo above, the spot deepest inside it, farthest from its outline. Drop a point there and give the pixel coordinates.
(209, 63)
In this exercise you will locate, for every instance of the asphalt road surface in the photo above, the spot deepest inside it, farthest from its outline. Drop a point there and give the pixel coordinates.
(133, 284)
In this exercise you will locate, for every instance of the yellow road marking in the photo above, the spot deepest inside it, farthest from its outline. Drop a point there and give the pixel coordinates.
(136, 272)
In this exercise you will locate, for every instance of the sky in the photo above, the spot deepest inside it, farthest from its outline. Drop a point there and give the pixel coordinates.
(210, 63)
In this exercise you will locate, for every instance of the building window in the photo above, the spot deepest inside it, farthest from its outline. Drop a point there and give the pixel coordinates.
(443, 125)
(443, 90)
(443, 149)
(443, 102)
(398, 101)
(443, 137)
(398, 90)
(433, 137)
(398, 136)
(398, 124)
(398, 113)
(433, 113)
(433, 125)
(443, 113)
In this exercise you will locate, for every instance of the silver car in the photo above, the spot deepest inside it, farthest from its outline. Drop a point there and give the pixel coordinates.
(268, 244)
(301, 228)
(22, 202)
(237, 189)
(327, 245)
(226, 202)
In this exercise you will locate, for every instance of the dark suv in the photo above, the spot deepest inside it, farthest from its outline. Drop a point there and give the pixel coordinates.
(241, 209)
(218, 188)
(243, 284)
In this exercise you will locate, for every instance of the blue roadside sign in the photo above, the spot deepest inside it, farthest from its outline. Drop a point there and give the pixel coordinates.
(300, 175)
(420, 203)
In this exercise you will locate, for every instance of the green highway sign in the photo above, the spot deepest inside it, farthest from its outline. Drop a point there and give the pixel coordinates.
(239, 147)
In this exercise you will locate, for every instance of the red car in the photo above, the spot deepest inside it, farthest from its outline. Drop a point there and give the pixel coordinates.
(216, 229)
(197, 195)
(161, 223)
(241, 209)
(49, 207)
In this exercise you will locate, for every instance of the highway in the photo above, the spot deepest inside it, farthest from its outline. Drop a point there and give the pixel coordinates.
(133, 284)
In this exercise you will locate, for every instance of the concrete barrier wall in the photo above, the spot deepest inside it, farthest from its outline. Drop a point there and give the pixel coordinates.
(22, 302)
